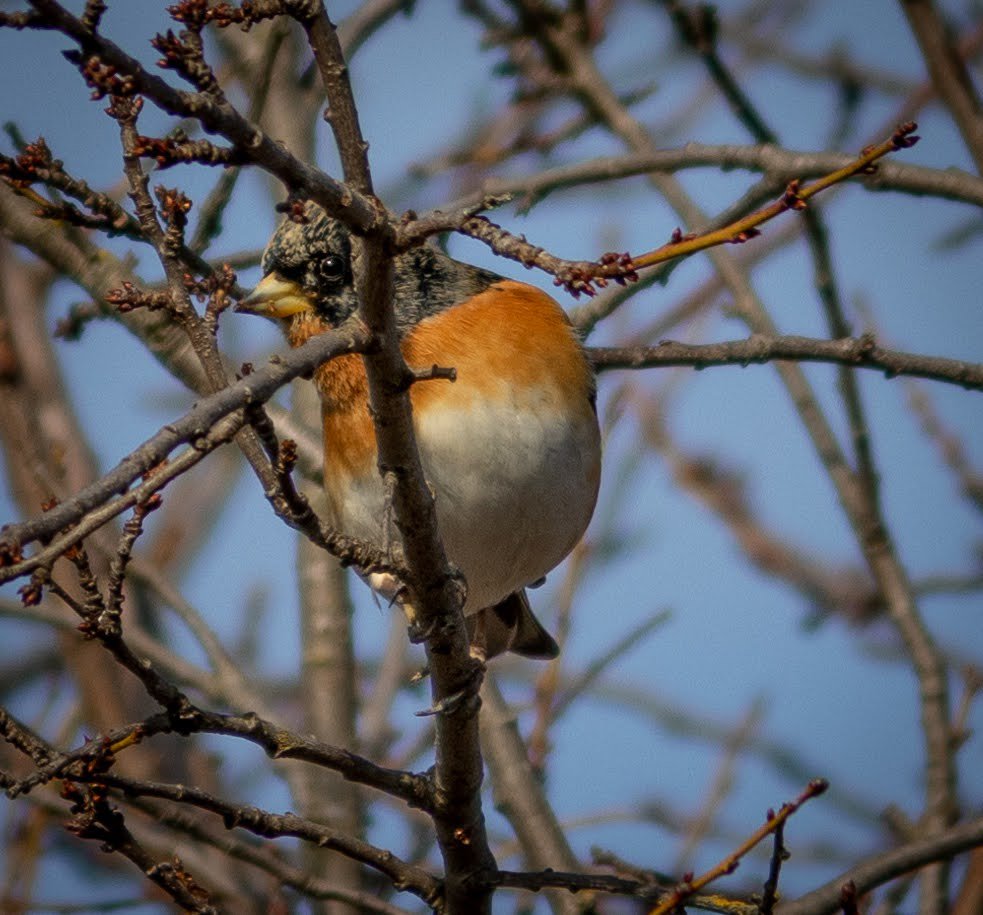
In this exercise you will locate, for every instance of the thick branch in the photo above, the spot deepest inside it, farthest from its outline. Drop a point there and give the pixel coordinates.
(455, 676)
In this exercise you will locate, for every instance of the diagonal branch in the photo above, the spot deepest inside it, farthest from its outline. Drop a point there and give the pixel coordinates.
(192, 428)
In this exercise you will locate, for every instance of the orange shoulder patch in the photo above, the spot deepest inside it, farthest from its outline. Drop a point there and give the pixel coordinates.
(512, 335)
(509, 339)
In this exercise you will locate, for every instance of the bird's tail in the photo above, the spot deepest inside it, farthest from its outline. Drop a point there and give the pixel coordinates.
(512, 626)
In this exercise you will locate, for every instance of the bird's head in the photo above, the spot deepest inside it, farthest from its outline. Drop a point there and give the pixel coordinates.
(308, 285)
(307, 275)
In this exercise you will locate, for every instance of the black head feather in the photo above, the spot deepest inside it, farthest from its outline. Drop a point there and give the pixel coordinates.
(317, 255)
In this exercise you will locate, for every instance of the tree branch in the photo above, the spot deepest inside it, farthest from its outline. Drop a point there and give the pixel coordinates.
(860, 352)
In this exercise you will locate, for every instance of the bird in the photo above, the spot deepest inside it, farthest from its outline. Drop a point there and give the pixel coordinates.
(511, 448)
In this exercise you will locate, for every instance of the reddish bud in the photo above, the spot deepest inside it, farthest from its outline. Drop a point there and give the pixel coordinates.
(30, 594)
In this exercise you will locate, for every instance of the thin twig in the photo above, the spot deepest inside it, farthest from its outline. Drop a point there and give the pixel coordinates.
(860, 352)
(682, 892)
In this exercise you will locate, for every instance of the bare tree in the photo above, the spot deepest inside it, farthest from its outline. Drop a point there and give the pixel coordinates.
(133, 706)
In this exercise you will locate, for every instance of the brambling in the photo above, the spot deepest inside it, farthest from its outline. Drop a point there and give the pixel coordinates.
(510, 449)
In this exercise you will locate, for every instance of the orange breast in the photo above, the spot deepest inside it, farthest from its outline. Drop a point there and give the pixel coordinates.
(508, 339)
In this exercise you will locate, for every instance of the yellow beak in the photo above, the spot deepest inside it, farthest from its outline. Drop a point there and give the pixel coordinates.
(276, 298)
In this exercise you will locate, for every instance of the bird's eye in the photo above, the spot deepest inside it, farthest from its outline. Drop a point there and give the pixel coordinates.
(331, 270)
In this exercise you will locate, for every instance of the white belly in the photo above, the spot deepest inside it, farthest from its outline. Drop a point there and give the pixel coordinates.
(514, 489)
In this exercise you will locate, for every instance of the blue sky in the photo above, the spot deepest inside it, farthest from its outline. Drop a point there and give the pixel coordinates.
(734, 637)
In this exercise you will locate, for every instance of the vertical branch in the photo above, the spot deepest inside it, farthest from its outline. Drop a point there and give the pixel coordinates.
(520, 796)
(866, 471)
(948, 73)
(125, 111)
(48, 456)
(455, 676)
(342, 113)
(328, 690)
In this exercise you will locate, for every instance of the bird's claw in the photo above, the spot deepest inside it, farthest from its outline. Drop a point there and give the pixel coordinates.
(446, 706)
